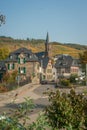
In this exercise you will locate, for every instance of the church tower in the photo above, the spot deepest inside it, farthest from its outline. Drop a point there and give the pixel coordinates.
(47, 45)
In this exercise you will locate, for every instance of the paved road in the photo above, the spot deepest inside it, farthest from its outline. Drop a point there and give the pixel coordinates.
(33, 91)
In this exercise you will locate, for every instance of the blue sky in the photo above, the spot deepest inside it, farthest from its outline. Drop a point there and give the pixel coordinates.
(65, 20)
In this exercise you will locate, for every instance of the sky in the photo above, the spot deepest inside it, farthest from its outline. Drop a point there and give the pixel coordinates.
(64, 20)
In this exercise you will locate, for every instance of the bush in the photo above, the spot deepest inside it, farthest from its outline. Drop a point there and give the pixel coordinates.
(65, 82)
(3, 88)
(67, 110)
(73, 78)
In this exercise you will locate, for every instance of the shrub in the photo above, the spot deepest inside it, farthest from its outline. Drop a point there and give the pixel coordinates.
(65, 82)
(73, 78)
(3, 88)
(67, 110)
(9, 78)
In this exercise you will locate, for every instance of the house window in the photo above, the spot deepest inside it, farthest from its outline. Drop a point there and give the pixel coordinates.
(49, 71)
(49, 77)
(11, 66)
(30, 56)
(10, 56)
(22, 70)
(53, 73)
(21, 60)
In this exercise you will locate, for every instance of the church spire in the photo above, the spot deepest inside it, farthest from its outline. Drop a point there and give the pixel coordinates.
(47, 38)
(47, 45)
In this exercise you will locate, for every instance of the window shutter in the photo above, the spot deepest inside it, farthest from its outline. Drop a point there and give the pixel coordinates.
(24, 70)
(19, 70)
(13, 66)
(19, 60)
(24, 60)
(8, 66)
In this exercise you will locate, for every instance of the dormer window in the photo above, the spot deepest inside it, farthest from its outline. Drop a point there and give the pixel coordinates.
(21, 60)
(10, 56)
(30, 56)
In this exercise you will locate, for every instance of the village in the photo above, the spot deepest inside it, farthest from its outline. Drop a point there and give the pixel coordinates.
(43, 65)
(40, 67)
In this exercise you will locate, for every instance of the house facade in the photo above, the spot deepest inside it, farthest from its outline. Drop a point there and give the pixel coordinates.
(24, 62)
(46, 69)
(66, 65)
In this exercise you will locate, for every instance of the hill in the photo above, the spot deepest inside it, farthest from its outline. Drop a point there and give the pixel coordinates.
(37, 45)
(76, 46)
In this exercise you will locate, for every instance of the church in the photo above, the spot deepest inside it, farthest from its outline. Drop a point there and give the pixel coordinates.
(45, 60)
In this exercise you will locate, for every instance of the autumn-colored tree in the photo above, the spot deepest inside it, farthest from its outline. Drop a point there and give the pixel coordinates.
(4, 52)
(83, 60)
(83, 57)
(10, 78)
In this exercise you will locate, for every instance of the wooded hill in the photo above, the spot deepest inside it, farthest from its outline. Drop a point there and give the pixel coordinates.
(37, 45)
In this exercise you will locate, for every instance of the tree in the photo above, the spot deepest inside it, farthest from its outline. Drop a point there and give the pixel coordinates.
(83, 57)
(73, 78)
(2, 19)
(67, 111)
(4, 52)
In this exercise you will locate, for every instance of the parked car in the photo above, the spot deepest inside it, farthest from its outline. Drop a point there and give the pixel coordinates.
(44, 82)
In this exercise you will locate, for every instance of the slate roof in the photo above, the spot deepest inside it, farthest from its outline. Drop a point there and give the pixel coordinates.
(76, 62)
(44, 62)
(24, 50)
(29, 56)
(63, 61)
(40, 55)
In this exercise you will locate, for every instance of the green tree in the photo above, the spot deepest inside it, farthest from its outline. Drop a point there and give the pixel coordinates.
(4, 53)
(67, 111)
(73, 78)
(10, 78)
(65, 82)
